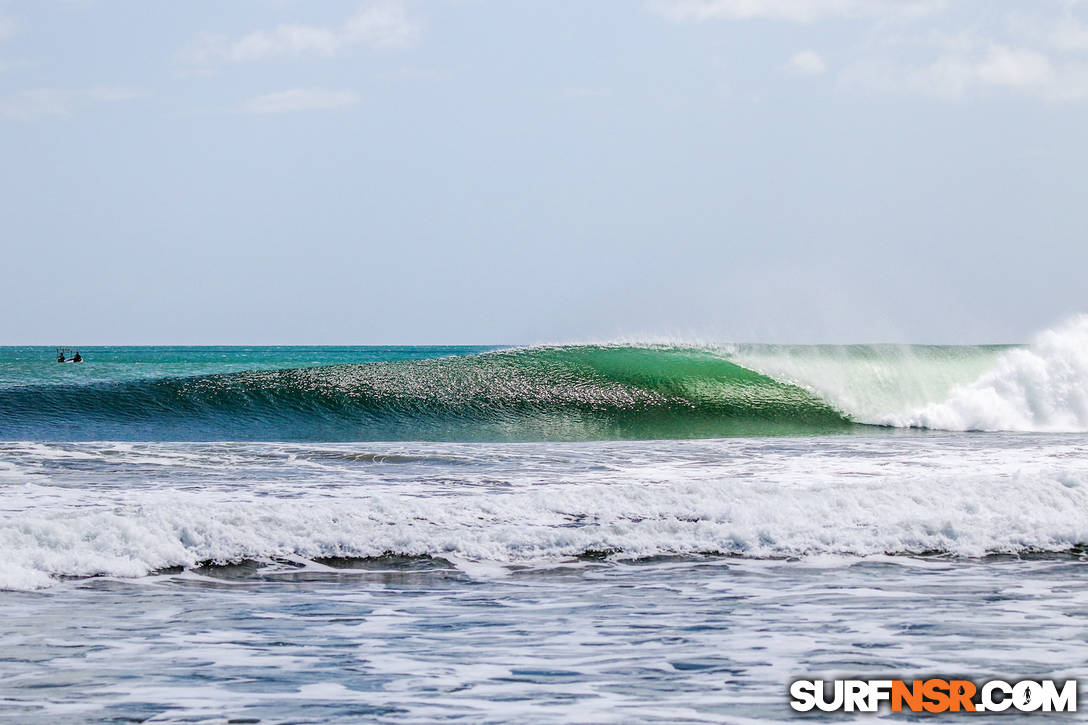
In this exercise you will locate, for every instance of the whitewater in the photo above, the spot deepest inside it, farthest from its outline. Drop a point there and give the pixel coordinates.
(1041, 387)
(607, 532)
(157, 506)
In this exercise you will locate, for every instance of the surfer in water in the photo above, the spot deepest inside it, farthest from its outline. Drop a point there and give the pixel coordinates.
(60, 356)
(77, 357)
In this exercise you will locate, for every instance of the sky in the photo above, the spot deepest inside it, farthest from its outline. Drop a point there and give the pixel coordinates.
(488, 172)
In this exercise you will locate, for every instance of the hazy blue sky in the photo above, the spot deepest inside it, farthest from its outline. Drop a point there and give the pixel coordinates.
(277, 171)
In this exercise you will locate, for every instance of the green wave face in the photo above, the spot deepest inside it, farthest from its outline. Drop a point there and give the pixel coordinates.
(692, 393)
(551, 393)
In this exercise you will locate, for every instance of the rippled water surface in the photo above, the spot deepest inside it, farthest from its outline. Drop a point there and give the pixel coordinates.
(669, 640)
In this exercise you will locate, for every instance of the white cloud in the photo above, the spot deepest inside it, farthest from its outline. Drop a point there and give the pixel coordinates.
(798, 11)
(7, 27)
(44, 102)
(957, 75)
(301, 99)
(377, 25)
(807, 63)
(1069, 35)
(1014, 67)
(947, 50)
(962, 75)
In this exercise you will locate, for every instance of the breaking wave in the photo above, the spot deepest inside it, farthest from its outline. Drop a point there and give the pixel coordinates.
(587, 392)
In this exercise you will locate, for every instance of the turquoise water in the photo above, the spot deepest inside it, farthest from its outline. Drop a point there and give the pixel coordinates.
(28, 366)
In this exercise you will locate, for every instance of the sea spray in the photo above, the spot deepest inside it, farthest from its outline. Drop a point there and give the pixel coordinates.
(1043, 387)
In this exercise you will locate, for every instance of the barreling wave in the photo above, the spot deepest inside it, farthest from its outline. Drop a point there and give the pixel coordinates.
(587, 392)
(552, 393)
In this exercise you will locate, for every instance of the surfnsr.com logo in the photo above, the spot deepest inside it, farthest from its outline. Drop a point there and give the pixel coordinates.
(934, 695)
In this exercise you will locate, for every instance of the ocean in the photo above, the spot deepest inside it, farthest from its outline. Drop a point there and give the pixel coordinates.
(624, 532)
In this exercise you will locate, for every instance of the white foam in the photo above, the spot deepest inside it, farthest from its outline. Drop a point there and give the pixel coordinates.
(761, 498)
(870, 383)
(1040, 388)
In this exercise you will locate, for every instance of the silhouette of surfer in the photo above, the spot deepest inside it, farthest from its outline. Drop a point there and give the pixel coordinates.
(77, 357)
(60, 356)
